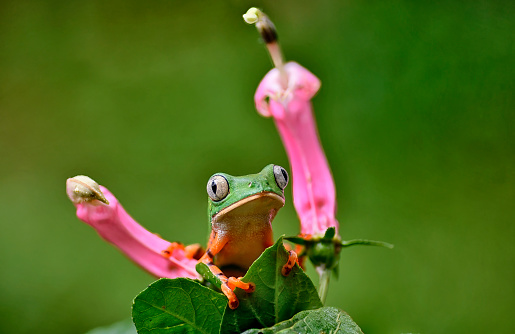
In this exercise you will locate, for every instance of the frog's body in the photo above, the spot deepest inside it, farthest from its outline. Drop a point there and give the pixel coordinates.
(243, 249)
(243, 219)
(241, 210)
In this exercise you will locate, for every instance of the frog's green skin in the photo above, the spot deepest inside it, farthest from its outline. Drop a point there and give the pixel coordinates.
(241, 226)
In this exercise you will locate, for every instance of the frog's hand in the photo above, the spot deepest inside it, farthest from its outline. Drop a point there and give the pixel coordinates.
(172, 248)
(227, 285)
(193, 251)
(301, 256)
(292, 259)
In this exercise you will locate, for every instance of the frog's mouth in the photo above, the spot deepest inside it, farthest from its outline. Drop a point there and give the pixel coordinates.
(261, 205)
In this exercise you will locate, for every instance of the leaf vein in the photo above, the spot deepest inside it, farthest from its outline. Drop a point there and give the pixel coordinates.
(339, 323)
(192, 324)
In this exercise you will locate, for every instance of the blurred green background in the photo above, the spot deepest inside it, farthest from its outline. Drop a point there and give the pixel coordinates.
(149, 98)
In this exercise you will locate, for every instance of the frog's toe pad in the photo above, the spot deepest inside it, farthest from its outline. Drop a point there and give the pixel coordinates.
(233, 304)
(292, 259)
(251, 288)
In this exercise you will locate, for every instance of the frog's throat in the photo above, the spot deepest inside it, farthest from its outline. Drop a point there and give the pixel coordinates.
(261, 204)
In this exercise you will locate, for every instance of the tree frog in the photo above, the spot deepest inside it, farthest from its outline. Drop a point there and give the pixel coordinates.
(240, 211)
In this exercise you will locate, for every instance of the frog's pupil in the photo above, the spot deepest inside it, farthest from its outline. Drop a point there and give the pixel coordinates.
(213, 187)
(285, 175)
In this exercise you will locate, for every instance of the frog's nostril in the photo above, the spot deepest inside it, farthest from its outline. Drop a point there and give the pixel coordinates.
(250, 184)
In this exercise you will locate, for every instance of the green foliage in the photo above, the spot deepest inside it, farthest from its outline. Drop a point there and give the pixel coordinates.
(186, 305)
(322, 320)
(178, 305)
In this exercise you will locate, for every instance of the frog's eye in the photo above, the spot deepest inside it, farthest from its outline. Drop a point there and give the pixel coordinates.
(281, 176)
(217, 188)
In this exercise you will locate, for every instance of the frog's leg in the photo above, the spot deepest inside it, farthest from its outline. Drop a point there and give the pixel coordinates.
(211, 238)
(227, 285)
(292, 259)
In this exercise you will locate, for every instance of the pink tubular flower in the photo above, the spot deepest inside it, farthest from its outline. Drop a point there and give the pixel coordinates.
(313, 186)
(285, 94)
(117, 227)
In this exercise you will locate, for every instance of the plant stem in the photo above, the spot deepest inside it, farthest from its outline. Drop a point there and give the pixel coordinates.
(366, 242)
(323, 287)
(278, 61)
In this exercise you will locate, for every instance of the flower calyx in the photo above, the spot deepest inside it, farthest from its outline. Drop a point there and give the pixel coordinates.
(82, 189)
(324, 251)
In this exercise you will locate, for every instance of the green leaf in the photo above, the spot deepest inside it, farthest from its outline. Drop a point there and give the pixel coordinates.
(297, 240)
(121, 327)
(330, 233)
(324, 320)
(179, 305)
(276, 298)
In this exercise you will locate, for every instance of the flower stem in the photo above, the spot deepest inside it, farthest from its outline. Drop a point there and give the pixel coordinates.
(323, 285)
(277, 59)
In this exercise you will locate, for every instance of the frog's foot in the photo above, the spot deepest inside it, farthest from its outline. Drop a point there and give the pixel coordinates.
(224, 286)
(234, 282)
(216, 243)
(292, 259)
(222, 279)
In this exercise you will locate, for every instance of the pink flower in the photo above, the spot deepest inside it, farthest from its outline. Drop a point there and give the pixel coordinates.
(285, 94)
(117, 227)
(290, 106)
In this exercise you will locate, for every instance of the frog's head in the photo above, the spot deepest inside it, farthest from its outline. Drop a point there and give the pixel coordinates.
(260, 194)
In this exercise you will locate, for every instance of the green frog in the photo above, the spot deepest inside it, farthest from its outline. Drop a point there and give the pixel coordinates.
(240, 211)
